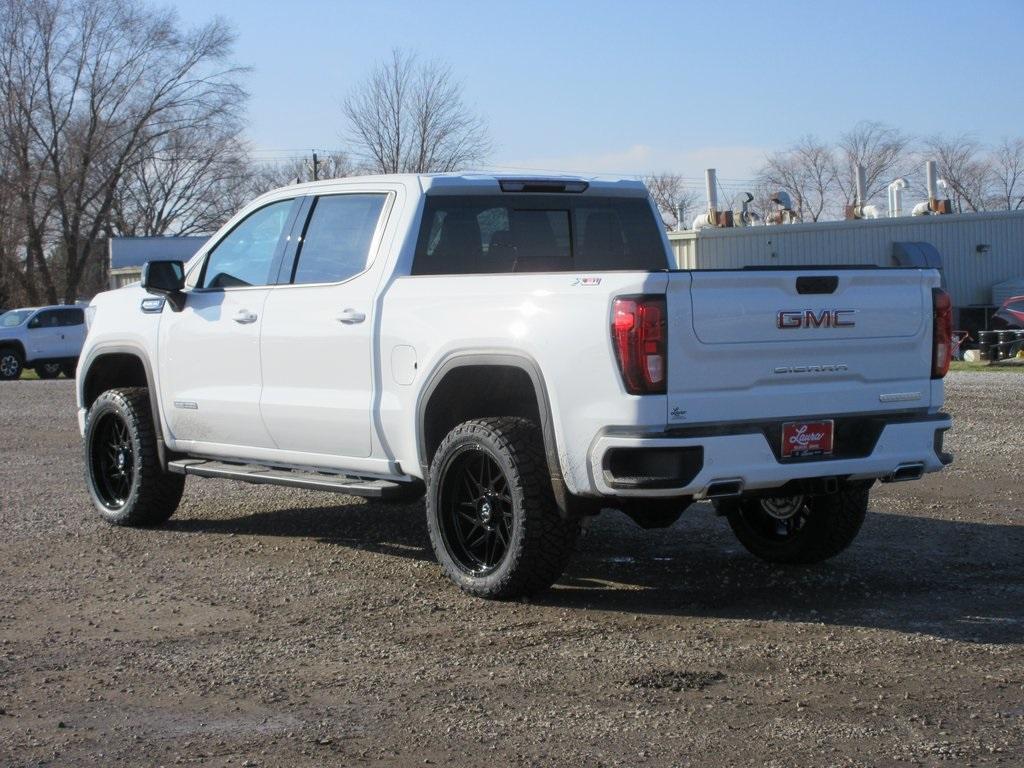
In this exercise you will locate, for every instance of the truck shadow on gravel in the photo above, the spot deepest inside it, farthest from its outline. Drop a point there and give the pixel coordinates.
(386, 529)
(949, 579)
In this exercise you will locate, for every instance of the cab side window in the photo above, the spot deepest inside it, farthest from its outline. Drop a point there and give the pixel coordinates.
(245, 256)
(336, 243)
(48, 318)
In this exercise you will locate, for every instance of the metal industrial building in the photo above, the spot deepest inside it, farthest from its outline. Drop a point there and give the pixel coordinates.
(978, 250)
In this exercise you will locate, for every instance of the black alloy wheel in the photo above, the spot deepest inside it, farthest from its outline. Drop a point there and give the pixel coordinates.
(491, 513)
(113, 461)
(477, 516)
(125, 476)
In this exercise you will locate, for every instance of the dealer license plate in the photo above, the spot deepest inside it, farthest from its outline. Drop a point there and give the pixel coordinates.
(807, 438)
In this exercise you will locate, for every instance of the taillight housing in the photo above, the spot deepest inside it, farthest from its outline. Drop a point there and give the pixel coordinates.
(942, 332)
(640, 338)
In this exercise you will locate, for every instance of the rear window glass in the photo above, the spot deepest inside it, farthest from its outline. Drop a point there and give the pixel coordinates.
(537, 233)
(336, 244)
(72, 317)
(48, 318)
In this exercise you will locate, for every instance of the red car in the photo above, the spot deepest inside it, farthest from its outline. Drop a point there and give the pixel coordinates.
(1012, 312)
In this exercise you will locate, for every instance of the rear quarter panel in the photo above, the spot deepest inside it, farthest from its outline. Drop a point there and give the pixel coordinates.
(556, 320)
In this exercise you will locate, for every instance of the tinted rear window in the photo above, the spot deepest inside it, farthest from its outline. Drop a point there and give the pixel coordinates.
(537, 233)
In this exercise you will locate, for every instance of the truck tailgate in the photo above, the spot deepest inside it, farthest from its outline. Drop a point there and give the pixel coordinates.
(763, 344)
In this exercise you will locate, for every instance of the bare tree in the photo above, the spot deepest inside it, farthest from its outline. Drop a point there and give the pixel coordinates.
(807, 171)
(270, 175)
(187, 182)
(85, 87)
(12, 277)
(675, 200)
(884, 152)
(968, 173)
(1007, 168)
(762, 206)
(408, 117)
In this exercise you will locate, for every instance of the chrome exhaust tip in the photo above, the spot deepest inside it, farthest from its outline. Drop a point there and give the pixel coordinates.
(723, 489)
(905, 472)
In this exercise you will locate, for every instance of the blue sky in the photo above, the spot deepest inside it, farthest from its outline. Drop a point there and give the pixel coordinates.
(637, 87)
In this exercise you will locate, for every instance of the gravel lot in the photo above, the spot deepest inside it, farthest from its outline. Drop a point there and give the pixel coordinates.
(267, 627)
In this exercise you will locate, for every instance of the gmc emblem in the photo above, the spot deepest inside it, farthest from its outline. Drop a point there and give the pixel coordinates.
(808, 318)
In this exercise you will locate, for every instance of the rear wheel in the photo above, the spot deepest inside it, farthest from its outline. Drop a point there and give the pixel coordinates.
(799, 529)
(10, 364)
(493, 521)
(48, 370)
(127, 483)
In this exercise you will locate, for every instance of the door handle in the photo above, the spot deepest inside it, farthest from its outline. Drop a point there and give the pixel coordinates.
(350, 317)
(244, 316)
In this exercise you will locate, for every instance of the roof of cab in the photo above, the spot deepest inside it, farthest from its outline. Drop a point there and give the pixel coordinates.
(470, 183)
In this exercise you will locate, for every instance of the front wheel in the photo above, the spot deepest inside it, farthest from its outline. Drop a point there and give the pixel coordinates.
(126, 481)
(10, 364)
(799, 529)
(493, 521)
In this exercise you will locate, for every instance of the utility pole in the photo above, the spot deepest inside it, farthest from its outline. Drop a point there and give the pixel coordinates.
(316, 167)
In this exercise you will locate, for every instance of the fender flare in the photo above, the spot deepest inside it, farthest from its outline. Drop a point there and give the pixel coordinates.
(136, 351)
(17, 345)
(492, 358)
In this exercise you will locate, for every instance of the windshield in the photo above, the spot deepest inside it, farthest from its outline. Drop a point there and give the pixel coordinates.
(14, 317)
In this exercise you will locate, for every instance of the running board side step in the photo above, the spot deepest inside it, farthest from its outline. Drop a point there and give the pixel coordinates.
(370, 488)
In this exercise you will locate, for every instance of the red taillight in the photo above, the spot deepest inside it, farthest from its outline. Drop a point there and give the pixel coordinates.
(640, 338)
(942, 332)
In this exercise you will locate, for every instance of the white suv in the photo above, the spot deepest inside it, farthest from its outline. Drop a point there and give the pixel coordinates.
(48, 339)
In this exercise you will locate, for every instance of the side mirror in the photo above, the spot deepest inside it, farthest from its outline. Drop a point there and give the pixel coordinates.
(165, 278)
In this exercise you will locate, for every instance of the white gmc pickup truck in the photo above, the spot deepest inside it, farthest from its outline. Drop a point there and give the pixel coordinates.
(521, 351)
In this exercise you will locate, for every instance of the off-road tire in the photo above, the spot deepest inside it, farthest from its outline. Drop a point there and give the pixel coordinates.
(153, 494)
(832, 523)
(541, 540)
(48, 370)
(11, 364)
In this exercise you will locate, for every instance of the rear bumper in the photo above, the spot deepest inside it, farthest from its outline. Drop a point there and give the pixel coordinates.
(741, 459)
